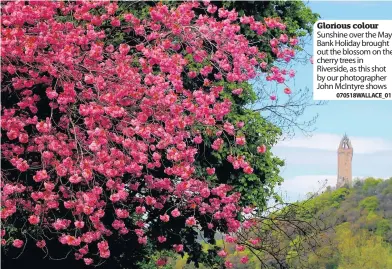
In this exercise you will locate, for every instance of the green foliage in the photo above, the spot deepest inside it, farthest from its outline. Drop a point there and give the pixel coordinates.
(233, 256)
(369, 203)
(383, 227)
(361, 217)
(370, 183)
(360, 234)
(362, 250)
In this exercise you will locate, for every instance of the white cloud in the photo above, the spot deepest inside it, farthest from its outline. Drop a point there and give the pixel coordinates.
(330, 142)
(297, 187)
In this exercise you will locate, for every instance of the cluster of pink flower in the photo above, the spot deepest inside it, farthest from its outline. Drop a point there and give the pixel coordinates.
(119, 118)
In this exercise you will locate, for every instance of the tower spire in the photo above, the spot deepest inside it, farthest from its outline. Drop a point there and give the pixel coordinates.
(345, 154)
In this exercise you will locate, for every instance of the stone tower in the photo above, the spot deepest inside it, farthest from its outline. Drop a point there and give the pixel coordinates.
(345, 156)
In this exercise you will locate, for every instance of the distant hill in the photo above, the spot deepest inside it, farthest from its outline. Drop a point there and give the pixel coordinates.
(359, 237)
(361, 217)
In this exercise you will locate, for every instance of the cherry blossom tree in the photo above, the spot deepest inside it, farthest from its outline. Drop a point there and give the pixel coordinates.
(101, 140)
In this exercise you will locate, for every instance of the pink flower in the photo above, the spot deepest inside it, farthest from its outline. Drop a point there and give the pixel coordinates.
(283, 38)
(248, 210)
(287, 90)
(293, 41)
(191, 221)
(118, 224)
(142, 240)
(192, 74)
(61, 224)
(244, 260)
(161, 262)
(240, 124)
(161, 239)
(210, 226)
(89, 79)
(217, 144)
(41, 244)
(274, 42)
(51, 93)
(88, 261)
(239, 248)
(70, 240)
(140, 210)
(164, 218)
(198, 139)
(255, 241)
(229, 128)
(150, 200)
(75, 179)
(124, 49)
(240, 140)
(229, 264)
(262, 149)
(230, 239)
(175, 213)
(211, 8)
(178, 248)
(18, 243)
(273, 97)
(222, 253)
(248, 170)
(44, 127)
(103, 248)
(40, 175)
(79, 224)
(122, 213)
(205, 193)
(33, 219)
(237, 91)
(115, 22)
(210, 170)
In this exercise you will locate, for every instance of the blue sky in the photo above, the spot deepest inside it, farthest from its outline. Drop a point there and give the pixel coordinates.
(368, 123)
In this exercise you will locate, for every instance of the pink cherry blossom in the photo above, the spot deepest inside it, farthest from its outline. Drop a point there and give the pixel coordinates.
(237, 91)
(210, 170)
(191, 221)
(239, 248)
(121, 129)
(261, 149)
(18, 243)
(88, 261)
(164, 218)
(175, 213)
(244, 260)
(178, 248)
(222, 253)
(240, 140)
(41, 244)
(161, 262)
(33, 219)
(240, 124)
(161, 239)
(229, 264)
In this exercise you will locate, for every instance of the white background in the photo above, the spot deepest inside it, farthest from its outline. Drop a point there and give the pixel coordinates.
(368, 60)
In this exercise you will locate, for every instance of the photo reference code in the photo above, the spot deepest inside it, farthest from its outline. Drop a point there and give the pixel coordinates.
(374, 95)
